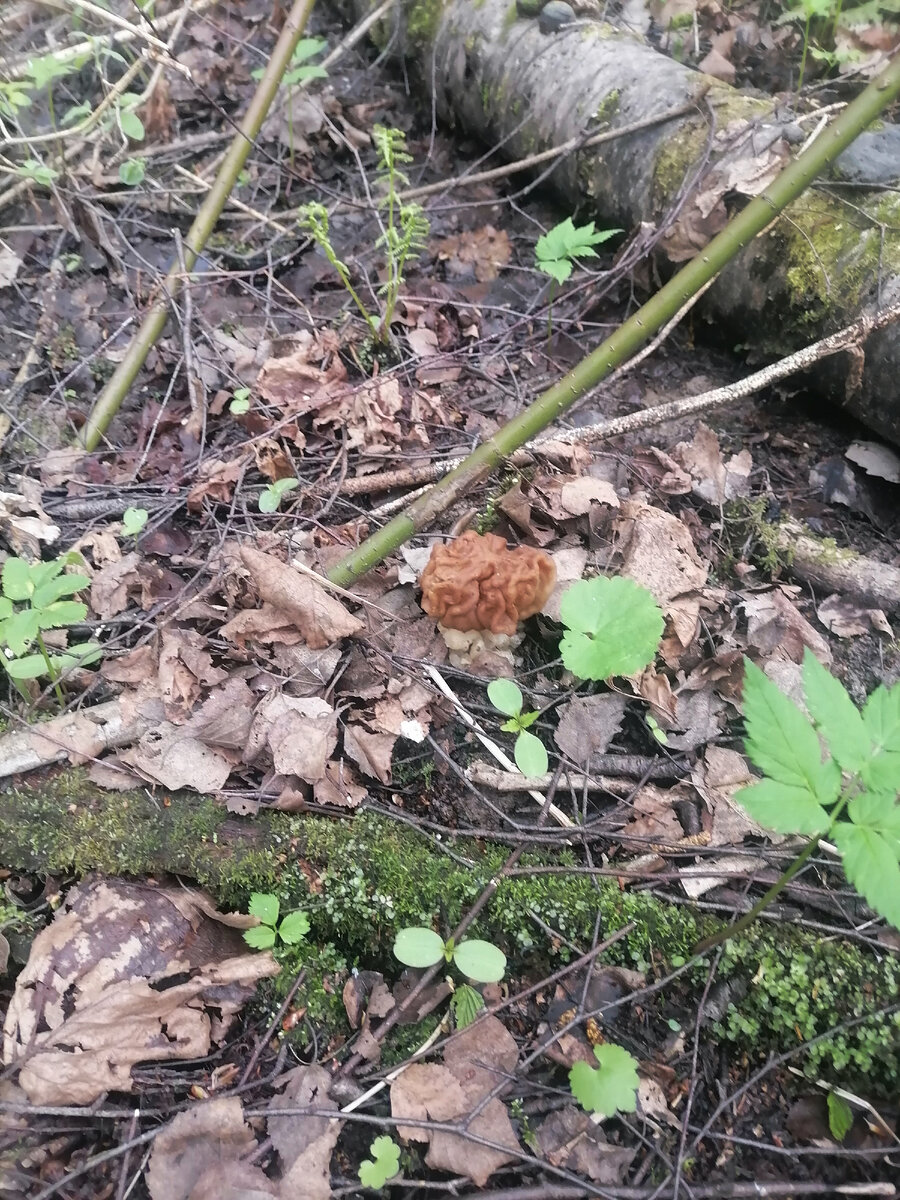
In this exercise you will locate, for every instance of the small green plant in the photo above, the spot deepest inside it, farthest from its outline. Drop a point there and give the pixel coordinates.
(382, 1166)
(417, 946)
(403, 235)
(848, 796)
(37, 172)
(292, 929)
(465, 1004)
(270, 497)
(133, 522)
(613, 627)
(132, 171)
(611, 1087)
(34, 600)
(240, 401)
(807, 12)
(555, 252)
(529, 752)
(300, 70)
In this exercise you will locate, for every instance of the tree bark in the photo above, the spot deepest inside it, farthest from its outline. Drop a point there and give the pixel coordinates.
(834, 254)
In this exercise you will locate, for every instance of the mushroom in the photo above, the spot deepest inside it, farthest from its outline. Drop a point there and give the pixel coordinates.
(475, 585)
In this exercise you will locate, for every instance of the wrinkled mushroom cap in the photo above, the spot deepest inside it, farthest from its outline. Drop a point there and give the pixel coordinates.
(475, 582)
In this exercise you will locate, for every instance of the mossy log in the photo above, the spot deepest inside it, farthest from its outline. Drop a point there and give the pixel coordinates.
(362, 878)
(831, 255)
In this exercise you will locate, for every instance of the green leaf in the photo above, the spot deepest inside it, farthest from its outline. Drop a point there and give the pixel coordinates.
(260, 937)
(33, 666)
(481, 961)
(61, 613)
(133, 521)
(530, 754)
(881, 716)
(840, 1116)
(783, 808)
(265, 907)
(6, 608)
(555, 250)
(870, 864)
(610, 1089)
(384, 1165)
(63, 585)
(418, 947)
(30, 666)
(782, 742)
(465, 1004)
(506, 696)
(20, 630)
(17, 583)
(614, 627)
(131, 125)
(837, 717)
(294, 928)
(132, 171)
(526, 719)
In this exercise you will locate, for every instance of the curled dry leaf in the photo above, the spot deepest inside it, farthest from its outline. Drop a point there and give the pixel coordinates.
(571, 1140)
(103, 990)
(194, 1145)
(319, 616)
(304, 1144)
(300, 734)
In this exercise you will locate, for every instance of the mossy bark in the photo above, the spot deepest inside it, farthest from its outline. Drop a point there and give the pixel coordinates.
(832, 254)
(362, 878)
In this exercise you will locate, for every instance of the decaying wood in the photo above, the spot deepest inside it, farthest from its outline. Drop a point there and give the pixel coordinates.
(831, 256)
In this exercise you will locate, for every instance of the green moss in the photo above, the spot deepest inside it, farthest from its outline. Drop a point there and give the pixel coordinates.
(748, 534)
(423, 17)
(362, 879)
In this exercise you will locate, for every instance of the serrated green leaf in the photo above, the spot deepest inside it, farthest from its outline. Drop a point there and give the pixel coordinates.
(17, 583)
(505, 696)
(61, 613)
(20, 630)
(870, 864)
(481, 961)
(466, 1004)
(29, 666)
(840, 1116)
(530, 754)
(55, 589)
(566, 241)
(837, 717)
(526, 719)
(782, 742)
(610, 1089)
(265, 907)
(881, 716)
(614, 627)
(260, 937)
(783, 808)
(375, 1172)
(294, 928)
(417, 946)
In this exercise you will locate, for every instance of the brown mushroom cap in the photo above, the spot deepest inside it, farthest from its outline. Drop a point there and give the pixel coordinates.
(475, 582)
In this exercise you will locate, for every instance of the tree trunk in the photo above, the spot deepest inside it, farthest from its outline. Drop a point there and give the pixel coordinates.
(834, 253)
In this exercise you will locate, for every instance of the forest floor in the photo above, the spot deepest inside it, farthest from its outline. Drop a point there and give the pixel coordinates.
(341, 749)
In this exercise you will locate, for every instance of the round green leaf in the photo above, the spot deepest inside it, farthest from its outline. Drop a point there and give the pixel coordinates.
(416, 946)
(269, 501)
(614, 627)
(132, 172)
(133, 521)
(530, 755)
(481, 961)
(505, 695)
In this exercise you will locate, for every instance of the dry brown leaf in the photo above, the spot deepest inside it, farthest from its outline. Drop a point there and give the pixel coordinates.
(571, 1140)
(185, 668)
(480, 251)
(846, 618)
(339, 787)
(95, 998)
(370, 751)
(299, 732)
(134, 667)
(714, 480)
(717, 777)
(320, 617)
(778, 630)
(587, 724)
(655, 819)
(304, 1143)
(425, 1092)
(197, 1141)
(111, 584)
(171, 756)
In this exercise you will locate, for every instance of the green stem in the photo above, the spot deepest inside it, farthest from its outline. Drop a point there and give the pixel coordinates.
(633, 334)
(803, 55)
(51, 670)
(732, 931)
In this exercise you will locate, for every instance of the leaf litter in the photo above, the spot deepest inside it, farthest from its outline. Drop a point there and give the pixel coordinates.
(233, 669)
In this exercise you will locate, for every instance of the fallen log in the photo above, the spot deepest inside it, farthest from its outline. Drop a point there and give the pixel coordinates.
(833, 255)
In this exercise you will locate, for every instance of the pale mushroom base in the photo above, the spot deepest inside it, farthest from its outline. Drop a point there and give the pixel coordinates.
(467, 647)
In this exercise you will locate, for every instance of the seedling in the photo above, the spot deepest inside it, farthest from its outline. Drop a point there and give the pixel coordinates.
(33, 600)
(555, 252)
(383, 1165)
(613, 627)
(840, 1116)
(240, 402)
(529, 752)
(465, 1004)
(270, 497)
(133, 521)
(404, 231)
(265, 907)
(611, 1087)
(298, 72)
(417, 946)
(132, 171)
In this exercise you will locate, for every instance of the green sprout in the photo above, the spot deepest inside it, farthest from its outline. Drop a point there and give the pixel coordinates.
(265, 907)
(529, 752)
(383, 1165)
(609, 1088)
(270, 497)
